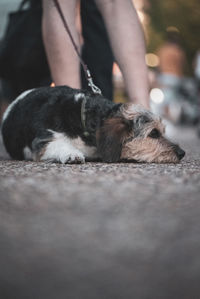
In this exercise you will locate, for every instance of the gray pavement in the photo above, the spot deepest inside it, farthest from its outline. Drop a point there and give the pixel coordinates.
(101, 230)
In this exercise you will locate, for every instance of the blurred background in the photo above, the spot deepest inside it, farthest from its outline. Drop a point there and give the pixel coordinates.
(173, 58)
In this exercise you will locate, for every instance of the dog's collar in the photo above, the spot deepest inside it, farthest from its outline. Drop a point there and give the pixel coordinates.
(83, 117)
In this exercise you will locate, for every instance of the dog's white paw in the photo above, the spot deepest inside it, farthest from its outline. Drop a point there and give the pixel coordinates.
(60, 149)
(75, 157)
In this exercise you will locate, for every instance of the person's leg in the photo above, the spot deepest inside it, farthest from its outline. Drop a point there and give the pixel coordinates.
(63, 60)
(96, 51)
(128, 45)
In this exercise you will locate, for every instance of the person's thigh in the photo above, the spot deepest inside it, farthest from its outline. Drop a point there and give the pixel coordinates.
(68, 6)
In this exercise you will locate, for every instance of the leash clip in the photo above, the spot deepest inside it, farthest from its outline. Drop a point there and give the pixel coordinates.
(94, 88)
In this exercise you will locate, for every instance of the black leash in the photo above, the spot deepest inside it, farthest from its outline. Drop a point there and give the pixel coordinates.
(94, 88)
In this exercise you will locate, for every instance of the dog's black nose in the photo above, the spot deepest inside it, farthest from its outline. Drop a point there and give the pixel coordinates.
(179, 152)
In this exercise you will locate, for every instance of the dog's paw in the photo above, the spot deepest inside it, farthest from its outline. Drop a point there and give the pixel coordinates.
(73, 158)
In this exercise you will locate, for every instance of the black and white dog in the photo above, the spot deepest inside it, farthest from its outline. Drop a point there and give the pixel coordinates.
(67, 125)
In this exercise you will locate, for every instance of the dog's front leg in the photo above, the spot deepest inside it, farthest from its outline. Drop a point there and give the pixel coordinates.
(56, 147)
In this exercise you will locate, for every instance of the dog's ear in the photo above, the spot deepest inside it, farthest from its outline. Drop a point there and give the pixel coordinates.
(110, 138)
(139, 122)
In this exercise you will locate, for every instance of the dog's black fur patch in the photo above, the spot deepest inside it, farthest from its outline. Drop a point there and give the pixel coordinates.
(45, 108)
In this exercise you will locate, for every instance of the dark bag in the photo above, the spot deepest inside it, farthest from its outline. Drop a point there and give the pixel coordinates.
(22, 54)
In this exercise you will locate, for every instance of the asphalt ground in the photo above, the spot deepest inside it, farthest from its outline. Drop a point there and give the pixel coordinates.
(101, 230)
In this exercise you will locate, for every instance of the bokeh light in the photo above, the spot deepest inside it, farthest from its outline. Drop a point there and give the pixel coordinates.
(152, 60)
(157, 95)
(172, 29)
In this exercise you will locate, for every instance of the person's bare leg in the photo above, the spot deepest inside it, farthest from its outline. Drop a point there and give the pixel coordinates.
(127, 40)
(63, 60)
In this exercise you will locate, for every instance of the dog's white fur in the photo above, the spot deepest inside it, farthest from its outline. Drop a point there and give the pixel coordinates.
(11, 106)
(65, 149)
(79, 96)
(27, 153)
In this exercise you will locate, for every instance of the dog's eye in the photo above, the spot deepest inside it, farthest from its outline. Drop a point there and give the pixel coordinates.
(154, 134)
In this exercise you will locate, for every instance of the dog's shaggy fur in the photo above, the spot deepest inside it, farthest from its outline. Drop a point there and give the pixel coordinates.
(68, 125)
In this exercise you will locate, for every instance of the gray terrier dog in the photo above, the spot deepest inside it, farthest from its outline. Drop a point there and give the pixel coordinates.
(66, 125)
